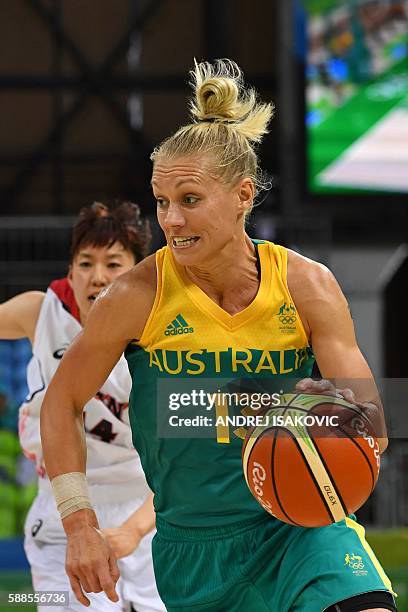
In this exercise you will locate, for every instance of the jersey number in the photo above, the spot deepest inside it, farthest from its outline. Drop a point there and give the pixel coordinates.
(103, 430)
(223, 434)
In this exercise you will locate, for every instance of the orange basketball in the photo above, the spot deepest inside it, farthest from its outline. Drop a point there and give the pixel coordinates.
(313, 461)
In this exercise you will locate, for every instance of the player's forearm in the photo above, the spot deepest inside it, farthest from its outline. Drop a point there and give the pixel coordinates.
(144, 519)
(64, 450)
(62, 434)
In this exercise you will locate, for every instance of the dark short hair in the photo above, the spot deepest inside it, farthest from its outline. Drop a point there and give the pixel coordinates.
(101, 225)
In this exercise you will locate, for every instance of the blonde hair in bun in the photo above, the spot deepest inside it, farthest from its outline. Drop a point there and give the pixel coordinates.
(220, 95)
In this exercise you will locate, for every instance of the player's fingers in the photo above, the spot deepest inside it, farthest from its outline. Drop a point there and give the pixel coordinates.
(308, 385)
(113, 568)
(303, 384)
(110, 537)
(116, 548)
(348, 395)
(122, 549)
(89, 581)
(76, 587)
(324, 386)
(107, 581)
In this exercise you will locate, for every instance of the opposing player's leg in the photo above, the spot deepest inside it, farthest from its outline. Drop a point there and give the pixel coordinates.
(138, 581)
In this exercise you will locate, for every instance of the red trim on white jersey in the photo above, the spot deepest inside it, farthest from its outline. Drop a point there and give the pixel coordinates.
(63, 291)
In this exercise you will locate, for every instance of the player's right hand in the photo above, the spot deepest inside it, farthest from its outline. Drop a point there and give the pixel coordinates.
(90, 564)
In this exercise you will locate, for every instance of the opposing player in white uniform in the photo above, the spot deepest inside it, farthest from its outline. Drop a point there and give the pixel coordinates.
(105, 244)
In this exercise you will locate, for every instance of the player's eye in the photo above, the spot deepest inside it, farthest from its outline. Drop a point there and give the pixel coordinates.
(161, 202)
(114, 264)
(84, 264)
(190, 199)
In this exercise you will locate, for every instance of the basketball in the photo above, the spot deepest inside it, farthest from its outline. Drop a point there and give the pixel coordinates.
(313, 461)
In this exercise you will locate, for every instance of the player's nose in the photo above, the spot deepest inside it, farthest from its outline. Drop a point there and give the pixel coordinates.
(99, 276)
(174, 217)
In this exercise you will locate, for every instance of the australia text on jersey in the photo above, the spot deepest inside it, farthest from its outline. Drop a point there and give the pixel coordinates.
(243, 361)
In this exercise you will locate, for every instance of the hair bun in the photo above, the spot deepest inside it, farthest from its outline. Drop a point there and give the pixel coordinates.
(217, 91)
(217, 99)
(220, 96)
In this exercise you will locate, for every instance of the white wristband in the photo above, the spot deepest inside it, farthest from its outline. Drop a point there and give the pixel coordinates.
(71, 493)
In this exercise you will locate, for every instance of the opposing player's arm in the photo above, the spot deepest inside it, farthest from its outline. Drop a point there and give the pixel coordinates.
(126, 538)
(327, 319)
(117, 317)
(19, 315)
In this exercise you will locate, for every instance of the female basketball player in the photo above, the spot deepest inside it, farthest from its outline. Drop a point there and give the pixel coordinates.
(105, 244)
(207, 306)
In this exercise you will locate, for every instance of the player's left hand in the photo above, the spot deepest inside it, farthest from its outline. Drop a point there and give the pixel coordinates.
(123, 540)
(325, 387)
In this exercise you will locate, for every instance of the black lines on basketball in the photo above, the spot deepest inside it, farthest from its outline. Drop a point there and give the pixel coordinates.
(313, 477)
(275, 488)
(373, 480)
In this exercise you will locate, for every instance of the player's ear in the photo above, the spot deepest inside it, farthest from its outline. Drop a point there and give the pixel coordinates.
(246, 193)
(69, 275)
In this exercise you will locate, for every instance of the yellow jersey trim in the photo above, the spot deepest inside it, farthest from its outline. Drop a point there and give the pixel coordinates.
(159, 274)
(206, 304)
(283, 252)
(360, 531)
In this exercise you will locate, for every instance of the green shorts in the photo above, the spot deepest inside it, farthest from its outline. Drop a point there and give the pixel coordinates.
(263, 565)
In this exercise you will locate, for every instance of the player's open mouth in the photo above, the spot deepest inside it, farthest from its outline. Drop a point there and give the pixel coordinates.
(183, 242)
(92, 298)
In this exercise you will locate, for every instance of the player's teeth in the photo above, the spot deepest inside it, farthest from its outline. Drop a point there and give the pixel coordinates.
(184, 241)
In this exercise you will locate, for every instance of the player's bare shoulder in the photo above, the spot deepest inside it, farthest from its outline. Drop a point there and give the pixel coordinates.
(308, 276)
(125, 305)
(308, 279)
(138, 284)
(314, 290)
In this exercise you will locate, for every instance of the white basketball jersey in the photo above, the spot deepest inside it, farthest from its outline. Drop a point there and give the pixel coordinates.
(111, 457)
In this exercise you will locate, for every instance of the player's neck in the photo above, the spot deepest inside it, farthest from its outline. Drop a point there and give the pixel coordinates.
(234, 268)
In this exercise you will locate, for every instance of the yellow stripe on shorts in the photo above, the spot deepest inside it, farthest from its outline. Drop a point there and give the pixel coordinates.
(360, 531)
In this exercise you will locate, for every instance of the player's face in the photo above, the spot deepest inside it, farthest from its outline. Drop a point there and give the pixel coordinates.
(94, 268)
(199, 214)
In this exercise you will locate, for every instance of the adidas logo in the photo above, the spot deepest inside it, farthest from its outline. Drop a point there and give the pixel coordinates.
(178, 326)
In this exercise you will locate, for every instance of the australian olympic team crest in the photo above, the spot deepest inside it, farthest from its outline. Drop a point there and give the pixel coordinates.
(287, 316)
(356, 564)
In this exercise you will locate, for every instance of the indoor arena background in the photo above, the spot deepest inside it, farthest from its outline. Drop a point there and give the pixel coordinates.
(89, 87)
